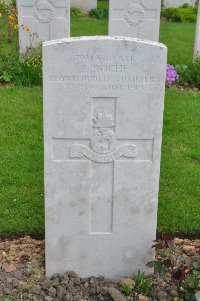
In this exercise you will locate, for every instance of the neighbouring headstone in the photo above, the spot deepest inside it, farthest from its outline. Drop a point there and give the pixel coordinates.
(42, 20)
(84, 5)
(135, 18)
(103, 116)
(178, 3)
(197, 38)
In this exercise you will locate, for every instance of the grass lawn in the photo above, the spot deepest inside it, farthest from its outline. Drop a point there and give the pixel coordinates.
(21, 169)
(21, 148)
(179, 200)
(103, 4)
(179, 38)
(88, 27)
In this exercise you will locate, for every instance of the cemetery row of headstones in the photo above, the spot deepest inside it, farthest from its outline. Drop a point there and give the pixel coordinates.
(49, 20)
(103, 116)
(178, 3)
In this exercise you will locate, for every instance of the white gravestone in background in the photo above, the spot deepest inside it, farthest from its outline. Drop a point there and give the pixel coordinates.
(48, 19)
(197, 38)
(178, 3)
(84, 5)
(103, 115)
(135, 18)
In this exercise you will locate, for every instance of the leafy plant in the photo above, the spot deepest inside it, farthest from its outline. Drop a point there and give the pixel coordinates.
(8, 33)
(142, 285)
(26, 70)
(99, 13)
(170, 14)
(182, 70)
(76, 13)
(31, 68)
(189, 75)
(126, 289)
(6, 77)
(8, 299)
(184, 14)
(184, 271)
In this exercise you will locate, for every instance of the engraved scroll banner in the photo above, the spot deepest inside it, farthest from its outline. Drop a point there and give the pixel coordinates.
(79, 151)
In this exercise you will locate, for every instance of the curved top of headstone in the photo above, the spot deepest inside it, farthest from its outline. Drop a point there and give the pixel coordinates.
(103, 38)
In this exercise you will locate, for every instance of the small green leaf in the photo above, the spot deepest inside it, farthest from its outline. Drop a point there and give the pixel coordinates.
(151, 264)
(196, 264)
(158, 266)
(171, 245)
(162, 272)
(8, 299)
(191, 279)
(197, 296)
(181, 258)
(167, 263)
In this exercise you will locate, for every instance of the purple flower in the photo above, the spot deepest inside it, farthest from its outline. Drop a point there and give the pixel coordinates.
(171, 74)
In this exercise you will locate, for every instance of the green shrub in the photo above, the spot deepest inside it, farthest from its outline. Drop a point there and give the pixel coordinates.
(170, 14)
(31, 68)
(26, 71)
(184, 74)
(99, 13)
(189, 75)
(8, 34)
(187, 15)
(195, 74)
(76, 13)
(184, 14)
(11, 70)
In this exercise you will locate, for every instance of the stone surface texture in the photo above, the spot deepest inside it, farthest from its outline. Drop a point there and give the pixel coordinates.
(135, 18)
(46, 20)
(103, 116)
(197, 37)
(84, 5)
(177, 3)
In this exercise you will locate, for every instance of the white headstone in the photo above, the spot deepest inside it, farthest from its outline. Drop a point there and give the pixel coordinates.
(49, 19)
(84, 5)
(103, 115)
(135, 18)
(197, 38)
(178, 3)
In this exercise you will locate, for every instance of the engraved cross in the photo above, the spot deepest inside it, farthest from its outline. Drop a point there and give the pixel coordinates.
(102, 151)
(134, 15)
(40, 15)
